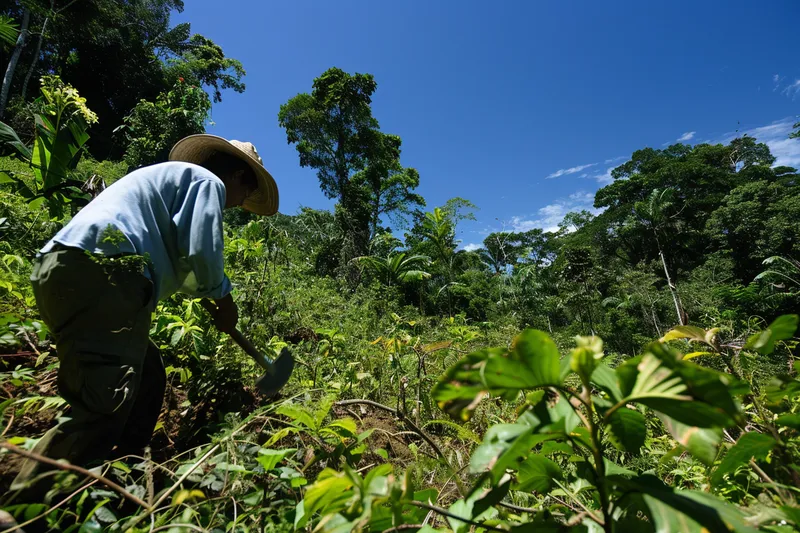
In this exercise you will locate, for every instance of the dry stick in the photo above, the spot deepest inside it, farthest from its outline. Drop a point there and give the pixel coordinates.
(784, 497)
(49, 510)
(400, 416)
(170, 526)
(107, 482)
(445, 512)
(10, 421)
(403, 527)
(135, 520)
(517, 508)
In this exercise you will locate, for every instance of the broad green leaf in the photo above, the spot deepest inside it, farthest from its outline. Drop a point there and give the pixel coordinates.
(792, 514)
(459, 391)
(538, 351)
(781, 329)
(300, 516)
(749, 446)
(10, 137)
(344, 427)
(605, 378)
(329, 494)
(586, 356)
(185, 494)
(692, 355)
(627, 429)
(613, 469)
(684, 511)
(37, 203)
(532, 362)
(682, 390)
(269, 459)
(298, 415)
(552, 448)
(781, 387)
(685, 332)
(122, 466)
(504, 446)
(471, 508)
(537, 473)
(702, 443)
(791, 420)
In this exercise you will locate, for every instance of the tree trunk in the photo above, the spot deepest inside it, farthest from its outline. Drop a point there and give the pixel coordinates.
(674, 290)
(36, 53)
(12, 63)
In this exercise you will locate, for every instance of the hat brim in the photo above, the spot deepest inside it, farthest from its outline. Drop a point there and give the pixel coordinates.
(198, 148)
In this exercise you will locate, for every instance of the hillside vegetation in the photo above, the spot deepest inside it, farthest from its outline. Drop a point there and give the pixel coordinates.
(635, 370)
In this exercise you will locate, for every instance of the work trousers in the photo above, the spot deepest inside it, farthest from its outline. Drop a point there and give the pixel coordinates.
(111, 374)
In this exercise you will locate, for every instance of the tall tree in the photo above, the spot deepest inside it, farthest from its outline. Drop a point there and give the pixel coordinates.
(657, 215)
(387, 184)
(335, 134)
(119, 53)
(14, 60)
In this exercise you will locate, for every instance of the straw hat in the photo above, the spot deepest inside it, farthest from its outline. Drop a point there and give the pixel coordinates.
(198, 148)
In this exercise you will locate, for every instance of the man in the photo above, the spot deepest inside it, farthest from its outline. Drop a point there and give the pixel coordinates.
(154, 232)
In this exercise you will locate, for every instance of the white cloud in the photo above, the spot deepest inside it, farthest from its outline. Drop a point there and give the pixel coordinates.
(776, 136)
(550, 216)
(686, 136)
(792, 90)
(776, 78)
(471, 247)
(615, 159)
(605, 178)
(572, 170)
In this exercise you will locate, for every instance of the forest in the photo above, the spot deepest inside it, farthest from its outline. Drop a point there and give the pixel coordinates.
(634, 370)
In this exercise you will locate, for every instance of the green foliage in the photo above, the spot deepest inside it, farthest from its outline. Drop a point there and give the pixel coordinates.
(119, 53)
(335, 134)
(153, 128)
(60, 135)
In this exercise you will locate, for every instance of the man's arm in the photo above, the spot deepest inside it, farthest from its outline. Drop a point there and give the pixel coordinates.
(227, 314)
(200, 233)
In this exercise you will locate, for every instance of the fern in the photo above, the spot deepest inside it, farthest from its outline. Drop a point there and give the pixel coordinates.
(462, 432)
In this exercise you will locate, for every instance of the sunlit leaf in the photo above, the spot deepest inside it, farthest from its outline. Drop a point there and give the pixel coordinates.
(537, 473)
(750, 445)
(702, 443)
(781, 329)
(627, 429)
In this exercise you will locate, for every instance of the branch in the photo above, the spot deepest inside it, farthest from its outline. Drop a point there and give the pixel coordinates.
(19, 527)
(64, 466)
(400, 416)
(445, 512)
(164, 496)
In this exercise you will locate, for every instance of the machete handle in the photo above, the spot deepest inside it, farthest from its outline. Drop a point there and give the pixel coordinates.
(240, 339)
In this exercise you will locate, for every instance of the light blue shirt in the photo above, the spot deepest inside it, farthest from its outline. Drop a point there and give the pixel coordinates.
(170, 211)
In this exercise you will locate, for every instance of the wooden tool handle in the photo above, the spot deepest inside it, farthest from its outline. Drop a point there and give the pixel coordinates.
(240, 339)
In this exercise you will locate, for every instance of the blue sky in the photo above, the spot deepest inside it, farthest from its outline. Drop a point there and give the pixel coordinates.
(520, 107)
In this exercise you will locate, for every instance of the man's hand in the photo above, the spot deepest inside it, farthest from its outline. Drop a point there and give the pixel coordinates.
(227, 314)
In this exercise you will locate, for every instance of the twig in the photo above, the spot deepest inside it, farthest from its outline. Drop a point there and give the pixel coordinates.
(403, 527)
(400, 416)
(580, 504)
(170, 526)
(135, 520)
(30, 342)
(517, 508)
(10, 421)
(63, 466)
(149, 475)
(784, 497)
(445, 512)
(53, 508)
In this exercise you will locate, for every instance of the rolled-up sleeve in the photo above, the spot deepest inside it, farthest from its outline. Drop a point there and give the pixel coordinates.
(200, 237)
